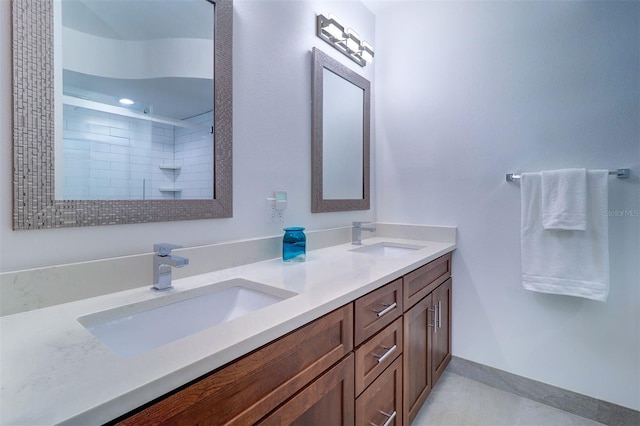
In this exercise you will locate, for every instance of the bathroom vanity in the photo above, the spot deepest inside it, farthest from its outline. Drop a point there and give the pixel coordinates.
(343, 368)
(363, 341)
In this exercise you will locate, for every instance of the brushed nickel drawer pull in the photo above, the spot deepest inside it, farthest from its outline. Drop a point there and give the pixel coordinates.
(384, 356)
(435, 319)
(390, 419)
(439, 313)
(386, 310)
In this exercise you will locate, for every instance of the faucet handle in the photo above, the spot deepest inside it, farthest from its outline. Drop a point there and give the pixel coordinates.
(164, 249)
(358, 224)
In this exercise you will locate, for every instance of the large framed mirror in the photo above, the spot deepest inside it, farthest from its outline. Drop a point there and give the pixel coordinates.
(122, 111)
(340, 162)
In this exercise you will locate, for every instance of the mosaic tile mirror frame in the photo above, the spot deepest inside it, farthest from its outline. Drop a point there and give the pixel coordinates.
(35, 204)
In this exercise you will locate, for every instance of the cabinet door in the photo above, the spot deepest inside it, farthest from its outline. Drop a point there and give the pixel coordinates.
(418, 322)
(327, 401)
(246, 390)
(441, 347)
(381, 403)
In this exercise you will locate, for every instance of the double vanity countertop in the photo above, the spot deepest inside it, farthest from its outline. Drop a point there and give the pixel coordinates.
(53, 370)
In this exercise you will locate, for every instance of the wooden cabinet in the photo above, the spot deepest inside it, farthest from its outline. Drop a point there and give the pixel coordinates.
(441, 340)
(370, 362)
(374, 356)
(427, 332)
(381, 403)
(422, 281)
(327, 401)
(248, 389)
(378, 375)
(377, 309)
(417, 360)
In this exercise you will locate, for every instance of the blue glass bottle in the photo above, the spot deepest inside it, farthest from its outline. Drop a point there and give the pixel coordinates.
(294, 245)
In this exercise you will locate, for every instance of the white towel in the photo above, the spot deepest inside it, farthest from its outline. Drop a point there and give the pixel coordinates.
(564, 199)
(573, 263)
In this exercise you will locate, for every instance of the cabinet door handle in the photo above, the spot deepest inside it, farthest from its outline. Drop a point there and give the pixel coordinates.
(384, 356)
(439, 313)
(435, 319)
(390, 417)
(386, 310)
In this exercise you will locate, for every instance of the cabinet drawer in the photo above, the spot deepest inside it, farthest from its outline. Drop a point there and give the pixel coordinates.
(376, 354)
(381, 403)
(376, 310)
(425, 279)
(326, 401)
(246, 390)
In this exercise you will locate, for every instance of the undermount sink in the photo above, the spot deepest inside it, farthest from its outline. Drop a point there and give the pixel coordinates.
(388, 249)
(140, 327)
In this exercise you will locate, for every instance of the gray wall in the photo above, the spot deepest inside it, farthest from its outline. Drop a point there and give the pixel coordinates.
(469, 91)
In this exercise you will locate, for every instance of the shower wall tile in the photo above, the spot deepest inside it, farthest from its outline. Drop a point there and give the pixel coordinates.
(121, 157)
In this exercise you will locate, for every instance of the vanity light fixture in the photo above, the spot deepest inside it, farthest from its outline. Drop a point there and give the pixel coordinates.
(346, 40)
(367, 52)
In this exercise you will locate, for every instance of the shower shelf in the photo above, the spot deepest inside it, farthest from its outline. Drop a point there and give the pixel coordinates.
(175, 168)
(170, 189)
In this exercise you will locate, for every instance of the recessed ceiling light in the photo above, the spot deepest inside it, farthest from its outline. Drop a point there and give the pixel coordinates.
(125, 101)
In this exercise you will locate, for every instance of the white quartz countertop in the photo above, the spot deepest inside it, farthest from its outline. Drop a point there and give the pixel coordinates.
(53, 370)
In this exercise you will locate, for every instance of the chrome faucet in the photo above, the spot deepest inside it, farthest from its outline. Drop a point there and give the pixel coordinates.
(356, 232)
(163, 261)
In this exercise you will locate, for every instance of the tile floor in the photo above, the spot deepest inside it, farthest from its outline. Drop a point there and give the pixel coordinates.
(458, 401)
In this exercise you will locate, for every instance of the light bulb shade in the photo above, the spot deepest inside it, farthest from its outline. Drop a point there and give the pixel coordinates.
(367, 52)
(336, 20)
(367, 56)
(331, 27)
(353, 41)
(334, 31)
(353, 34)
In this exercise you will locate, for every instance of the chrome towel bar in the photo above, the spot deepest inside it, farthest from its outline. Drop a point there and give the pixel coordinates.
(620, 173)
